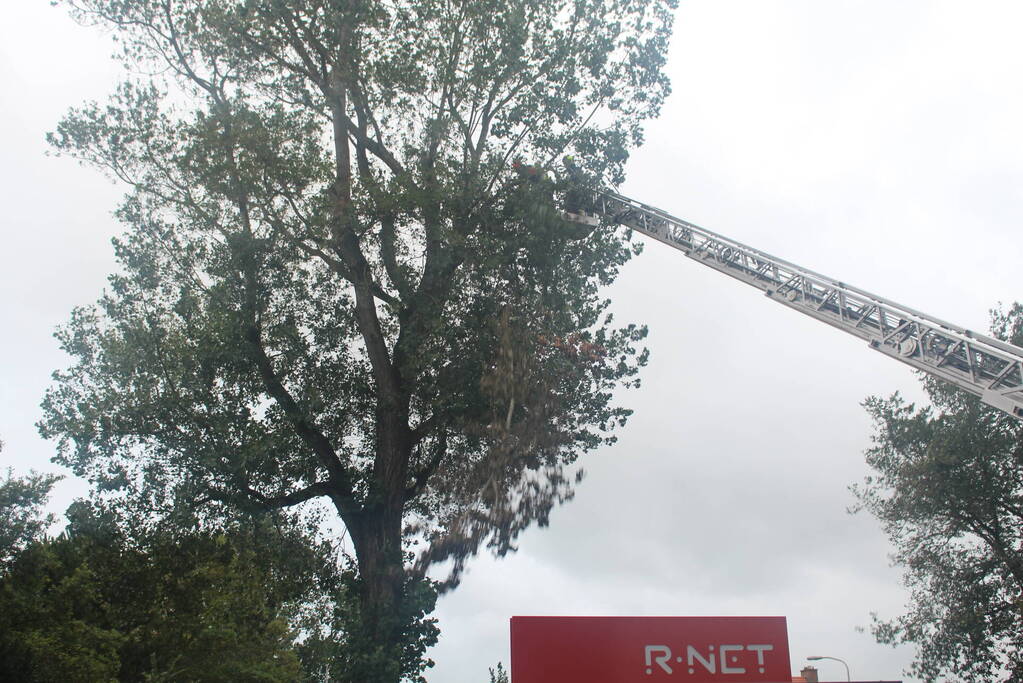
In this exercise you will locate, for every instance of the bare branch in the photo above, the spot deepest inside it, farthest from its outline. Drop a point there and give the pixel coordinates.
(422, 478)
(304, 426)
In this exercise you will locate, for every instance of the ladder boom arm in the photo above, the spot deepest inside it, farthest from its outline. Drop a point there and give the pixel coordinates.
(984, 366)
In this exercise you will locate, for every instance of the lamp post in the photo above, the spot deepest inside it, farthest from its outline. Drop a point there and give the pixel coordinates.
(814, 658)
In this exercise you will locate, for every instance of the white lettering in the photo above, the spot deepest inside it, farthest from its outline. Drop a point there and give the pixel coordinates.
(693, 654)
(722, 659)
(723, 653)
(662, 658)
(760, 650)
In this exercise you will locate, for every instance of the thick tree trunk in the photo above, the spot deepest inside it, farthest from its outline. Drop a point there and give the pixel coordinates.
(377, 539)
(376, 534)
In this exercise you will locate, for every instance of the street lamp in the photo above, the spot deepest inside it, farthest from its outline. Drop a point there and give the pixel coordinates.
(817, 657)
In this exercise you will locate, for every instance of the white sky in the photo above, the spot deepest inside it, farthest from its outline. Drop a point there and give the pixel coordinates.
(877, 142)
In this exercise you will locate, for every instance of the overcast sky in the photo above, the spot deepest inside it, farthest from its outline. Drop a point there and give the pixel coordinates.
(877, 142)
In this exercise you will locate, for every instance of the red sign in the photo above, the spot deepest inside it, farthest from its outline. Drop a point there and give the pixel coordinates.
(649, 650)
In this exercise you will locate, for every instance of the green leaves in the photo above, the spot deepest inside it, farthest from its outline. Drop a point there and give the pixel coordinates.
(324, 233)
(94, 604)
(949, 491)
(22, 521)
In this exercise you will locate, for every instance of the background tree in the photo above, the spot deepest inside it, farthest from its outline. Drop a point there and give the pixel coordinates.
(97, 603)
(499, 675)
(949, 492)
(22, 520)
(334, 285)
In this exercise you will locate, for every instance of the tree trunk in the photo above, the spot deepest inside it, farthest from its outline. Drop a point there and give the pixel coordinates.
(376, 534)
(377, 539)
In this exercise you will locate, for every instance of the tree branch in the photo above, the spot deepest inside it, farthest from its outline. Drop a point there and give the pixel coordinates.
(422, 477)
(266, 503)
(305, 428)
(320, 488)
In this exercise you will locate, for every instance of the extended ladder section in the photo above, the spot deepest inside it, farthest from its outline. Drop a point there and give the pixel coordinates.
(983, 366)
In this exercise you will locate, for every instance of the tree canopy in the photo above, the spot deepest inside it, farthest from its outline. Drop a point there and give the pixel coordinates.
(948, 489)
(334, 284)
(97, 603)
(22, 519)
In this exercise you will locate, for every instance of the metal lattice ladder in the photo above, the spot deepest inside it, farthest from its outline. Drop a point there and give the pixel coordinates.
(982, 365)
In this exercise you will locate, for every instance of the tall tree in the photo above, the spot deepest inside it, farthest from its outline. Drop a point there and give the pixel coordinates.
(949, 491)
(335, 285)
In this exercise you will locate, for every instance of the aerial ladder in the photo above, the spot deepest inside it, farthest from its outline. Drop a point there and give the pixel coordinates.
(985, 367)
